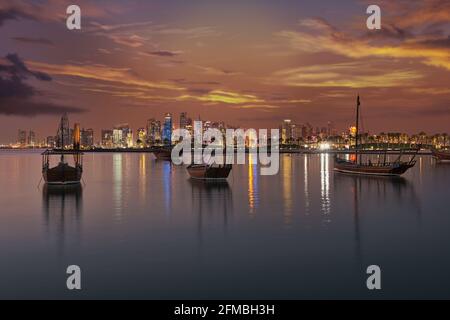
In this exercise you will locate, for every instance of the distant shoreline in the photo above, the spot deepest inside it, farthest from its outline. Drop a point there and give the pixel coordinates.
(282, 151)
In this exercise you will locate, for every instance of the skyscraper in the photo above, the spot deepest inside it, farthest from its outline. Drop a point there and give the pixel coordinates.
(22, 138)
(51, 142)
(31, 138)
(64, 137)
(107, 138)
(167, 129)
(117, 138)
(183, 120)
(124, 135)
(87, 138)
(286, 131)
(141, 137)
(153, 131)
(76, 136)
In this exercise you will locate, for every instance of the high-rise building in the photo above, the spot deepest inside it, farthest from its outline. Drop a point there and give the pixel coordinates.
(183, 120)
(125, 130)
(87, 138)
(141, 137)
(31, 138)
(129, 140)
(297, 132)
(153, 131)
(22, 138)
(117, 138)
(76, 136)
(107, 138)
(286, 131)
(51, 142)
(64, 135)
(167, 129)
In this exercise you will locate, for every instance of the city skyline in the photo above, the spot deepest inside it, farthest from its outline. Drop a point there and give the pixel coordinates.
(291, 60)
(157, 132)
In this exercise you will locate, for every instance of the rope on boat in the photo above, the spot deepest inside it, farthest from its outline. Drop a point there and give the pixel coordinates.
(39, 183)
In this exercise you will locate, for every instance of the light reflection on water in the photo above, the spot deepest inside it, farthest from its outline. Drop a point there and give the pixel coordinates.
(158, 234)
(252, 183)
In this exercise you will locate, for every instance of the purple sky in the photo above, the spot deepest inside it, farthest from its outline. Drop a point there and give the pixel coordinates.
(249, 63)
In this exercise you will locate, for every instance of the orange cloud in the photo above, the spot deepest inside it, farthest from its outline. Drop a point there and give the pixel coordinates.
(324, 38)
(350, 75)
(101, 73)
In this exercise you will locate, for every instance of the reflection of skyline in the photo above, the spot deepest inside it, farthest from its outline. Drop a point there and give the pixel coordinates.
(143, 176)
(306, 183)
(167, 184)
(118, 186)
(325, 185)
(287, 188)
(253, 196)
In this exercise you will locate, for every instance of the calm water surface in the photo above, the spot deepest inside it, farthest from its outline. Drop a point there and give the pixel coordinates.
(140, 228)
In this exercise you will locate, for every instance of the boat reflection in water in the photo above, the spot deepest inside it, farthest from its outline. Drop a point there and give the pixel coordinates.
(372, 196)
(62, 209)
(212, 200)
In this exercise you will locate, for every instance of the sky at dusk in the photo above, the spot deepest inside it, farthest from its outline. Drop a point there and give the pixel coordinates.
(249, 63)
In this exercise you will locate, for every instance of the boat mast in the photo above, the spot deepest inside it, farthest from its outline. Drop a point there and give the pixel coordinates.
(357, 128)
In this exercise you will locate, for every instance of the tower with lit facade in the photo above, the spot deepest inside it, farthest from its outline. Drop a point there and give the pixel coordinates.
(167, 129)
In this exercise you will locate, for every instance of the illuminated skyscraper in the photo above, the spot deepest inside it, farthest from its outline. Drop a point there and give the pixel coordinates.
(183, 120)
(107, 138)
(76, 136)
(141, 137)
(87, 138)
(153, 131)
(117, 138)
(167, 129)
(124, 135)
(129, 141)
(286, 131)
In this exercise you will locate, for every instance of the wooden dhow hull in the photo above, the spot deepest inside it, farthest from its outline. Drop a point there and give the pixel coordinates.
(392, 169)
(62, 174)
(209, 172)
(164, 154)
(441, 155)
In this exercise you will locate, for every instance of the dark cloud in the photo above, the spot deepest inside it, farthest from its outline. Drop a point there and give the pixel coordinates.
(42, 41)
(28, 108)
(13, 14)
(390, 31)
(16, 95)
(17, 68)
(437, 43)
(163, 53)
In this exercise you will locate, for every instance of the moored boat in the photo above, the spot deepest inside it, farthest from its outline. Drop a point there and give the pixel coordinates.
(381, 168)
(441, 155)
(378, 169)
(209, 171)
(163, 153)
(63, 173)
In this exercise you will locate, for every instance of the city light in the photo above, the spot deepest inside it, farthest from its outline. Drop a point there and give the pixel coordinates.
(324, 146)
